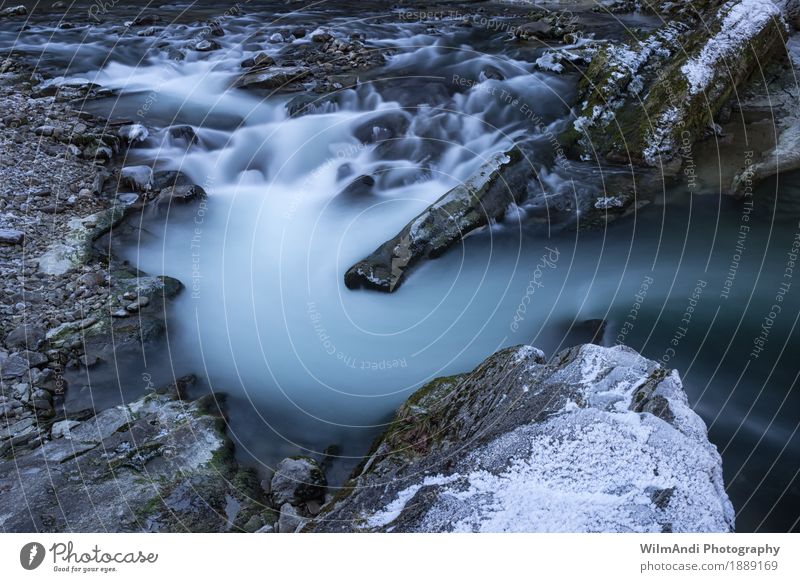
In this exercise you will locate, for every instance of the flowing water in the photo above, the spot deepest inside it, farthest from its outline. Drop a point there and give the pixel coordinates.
(307, 363)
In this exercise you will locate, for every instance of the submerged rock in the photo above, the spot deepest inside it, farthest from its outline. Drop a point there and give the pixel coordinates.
(471, 205)
(598, 440)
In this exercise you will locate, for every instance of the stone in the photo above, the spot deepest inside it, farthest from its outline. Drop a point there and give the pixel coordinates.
(297, 480)
(180, 195)
(207, 45)
(138, 178)
(289, 520)
(133, 133)
(275, 78)
(10, 236)
(483, 197)
(156, 464)
(25, 336)
(595, 422)
(61, 429)
(13, 366)
(13, 11)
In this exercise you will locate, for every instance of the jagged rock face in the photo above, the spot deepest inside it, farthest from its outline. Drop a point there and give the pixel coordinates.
(642, 99)
(599, 439)
(157, 464)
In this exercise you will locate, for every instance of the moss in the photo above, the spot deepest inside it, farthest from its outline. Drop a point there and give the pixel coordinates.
(629, 122)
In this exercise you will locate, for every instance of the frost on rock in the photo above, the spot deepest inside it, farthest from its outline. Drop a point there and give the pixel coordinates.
(743, 20)
(641, 97)
(599, 439)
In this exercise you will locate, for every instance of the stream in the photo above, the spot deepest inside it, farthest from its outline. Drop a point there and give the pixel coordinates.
(310, 367)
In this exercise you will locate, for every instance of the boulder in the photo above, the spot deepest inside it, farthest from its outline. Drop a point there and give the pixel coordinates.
(296, 481)
(13, 11)
(25, 336)
(483, 197)
(138, 178)
(597, 440)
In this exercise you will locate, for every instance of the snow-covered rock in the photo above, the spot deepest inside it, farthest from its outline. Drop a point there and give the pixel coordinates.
(642, 98)
(599, 439)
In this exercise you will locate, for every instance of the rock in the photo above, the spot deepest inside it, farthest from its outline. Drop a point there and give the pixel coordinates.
(11, 237)
(276, 78)
(179, 195)
(290, 520)
(33, 358)
(276, 38)
(89, 361)
(358, 188)
(784, 157)
(155, 464)
(471, 205)
(215, 29)
(138, 304)
(146, 20)
(539, 30)
(44, 130)
(640, 99)
(169, 178)
(61, 429)
(297, 480)
(523, 445)
(149, 31)
(13, 11)
(207, 45)
(76, 247)
(321, 36)
(262, 60)
(133, 133)
(183, 132)
(13, 366)
(138, 178)
(25, 336)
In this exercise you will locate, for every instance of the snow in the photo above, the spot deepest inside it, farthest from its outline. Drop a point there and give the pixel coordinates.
(606, 202)
(743, 20)
(549, 62)
(590, 471)
(660, 140)
(395, 508)
(594, 465)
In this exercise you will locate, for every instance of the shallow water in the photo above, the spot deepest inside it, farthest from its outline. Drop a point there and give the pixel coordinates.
(307, 363)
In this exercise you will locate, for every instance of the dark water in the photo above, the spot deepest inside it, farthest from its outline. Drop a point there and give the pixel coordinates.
(307, 363)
